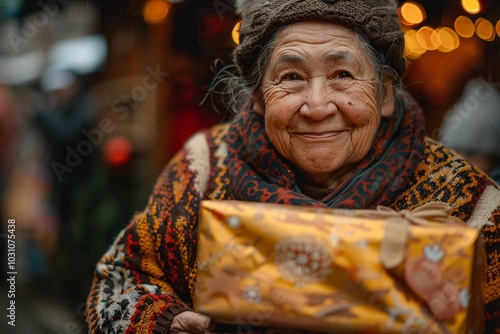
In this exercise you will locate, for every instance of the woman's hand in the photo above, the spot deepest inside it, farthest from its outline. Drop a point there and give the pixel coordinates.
(191, 323)
(194, 323)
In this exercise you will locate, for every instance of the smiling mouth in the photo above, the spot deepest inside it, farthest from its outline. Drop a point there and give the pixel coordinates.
(319, 135)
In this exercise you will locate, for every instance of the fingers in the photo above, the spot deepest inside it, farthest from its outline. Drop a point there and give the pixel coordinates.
(194, 323)
(190, 322)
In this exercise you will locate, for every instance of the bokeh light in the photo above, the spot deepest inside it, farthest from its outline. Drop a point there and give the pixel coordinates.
(497, 27)
(412, 13)
(428, 38)
(155, 11)
(471, 6)
(236, 32)
(117, 150)
(448, 38)
(413, 50)
(484, 29)
(464, 26)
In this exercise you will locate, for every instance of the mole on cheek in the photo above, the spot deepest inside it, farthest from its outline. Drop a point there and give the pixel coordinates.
(350, 103)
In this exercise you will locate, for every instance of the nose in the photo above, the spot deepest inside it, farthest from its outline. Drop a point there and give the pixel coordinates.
(318, 103)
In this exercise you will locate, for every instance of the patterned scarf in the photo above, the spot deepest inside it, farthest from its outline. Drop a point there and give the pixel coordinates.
(261, 174)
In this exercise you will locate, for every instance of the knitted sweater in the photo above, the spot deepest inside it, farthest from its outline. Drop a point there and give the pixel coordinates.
(147, 277)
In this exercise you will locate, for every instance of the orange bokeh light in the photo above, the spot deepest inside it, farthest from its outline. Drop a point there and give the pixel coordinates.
(236, 32)
(428, 38)
(464, 26)
(412, 13)
(484, 29)
(471, 6)
(449, 39)
(155, 11)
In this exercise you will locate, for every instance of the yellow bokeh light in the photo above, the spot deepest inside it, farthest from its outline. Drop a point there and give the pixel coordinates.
(413, 50)
(447, 42)
(236, 32)
(454, 36)
(412, 13)
(471, 6)
(155, 11)
(464, 26)
(497, 27)
(428, 38)
(484, 29)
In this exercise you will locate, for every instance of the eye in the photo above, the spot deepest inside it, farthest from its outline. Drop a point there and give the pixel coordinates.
(290, 77)
(342, 75)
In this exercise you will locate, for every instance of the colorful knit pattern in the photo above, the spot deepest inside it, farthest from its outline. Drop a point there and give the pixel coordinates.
(148, 275)
(262, 175)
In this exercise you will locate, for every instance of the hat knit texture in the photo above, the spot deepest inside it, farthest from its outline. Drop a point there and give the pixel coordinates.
(473, 124)
(376, 19)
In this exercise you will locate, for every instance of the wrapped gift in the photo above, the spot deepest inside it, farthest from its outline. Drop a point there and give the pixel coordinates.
(339, 271)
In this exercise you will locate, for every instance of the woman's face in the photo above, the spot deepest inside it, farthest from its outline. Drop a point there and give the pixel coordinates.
(320, 100)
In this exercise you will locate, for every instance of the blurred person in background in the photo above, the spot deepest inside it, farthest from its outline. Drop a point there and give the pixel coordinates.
(61, 114)
(40, 197)
(52, 118)
(472, 127)
(85, 194)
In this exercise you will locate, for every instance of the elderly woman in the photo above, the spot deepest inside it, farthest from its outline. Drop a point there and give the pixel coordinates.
(321, 121)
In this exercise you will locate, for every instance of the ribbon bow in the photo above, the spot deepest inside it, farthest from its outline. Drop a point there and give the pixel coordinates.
(392, 250)
(419, 215)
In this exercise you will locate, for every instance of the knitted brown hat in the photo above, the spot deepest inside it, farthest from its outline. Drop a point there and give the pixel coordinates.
(376, 19)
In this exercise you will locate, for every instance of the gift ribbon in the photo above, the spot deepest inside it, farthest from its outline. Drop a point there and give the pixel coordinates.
(392, 249)
(441, 296)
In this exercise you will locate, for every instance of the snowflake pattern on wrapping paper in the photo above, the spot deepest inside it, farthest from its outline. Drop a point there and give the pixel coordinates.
(303, 259)
(234, 222)
(252, 294)
(464, 296)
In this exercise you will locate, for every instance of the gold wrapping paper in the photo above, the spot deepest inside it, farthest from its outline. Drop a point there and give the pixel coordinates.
(322, 270)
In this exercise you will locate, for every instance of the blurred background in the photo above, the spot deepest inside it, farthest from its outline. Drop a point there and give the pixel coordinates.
(96, 96)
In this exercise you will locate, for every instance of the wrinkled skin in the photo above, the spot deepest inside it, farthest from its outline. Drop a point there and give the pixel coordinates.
(319, 99)
(190, 322)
